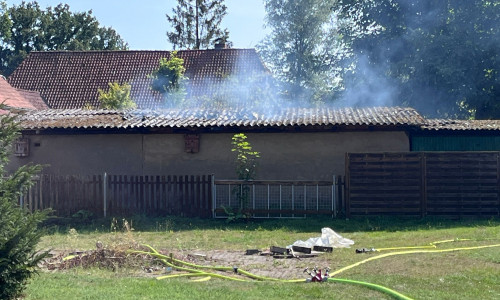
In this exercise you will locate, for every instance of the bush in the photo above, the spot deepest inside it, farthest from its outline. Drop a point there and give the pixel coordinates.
(19, 233)
(117, 96)
(169, 80)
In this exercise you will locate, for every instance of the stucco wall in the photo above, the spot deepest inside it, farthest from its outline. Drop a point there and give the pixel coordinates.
(311, 156)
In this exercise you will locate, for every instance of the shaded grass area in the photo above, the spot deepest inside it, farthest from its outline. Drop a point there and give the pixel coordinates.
(187, 233)
(310, 224)
(471, 274)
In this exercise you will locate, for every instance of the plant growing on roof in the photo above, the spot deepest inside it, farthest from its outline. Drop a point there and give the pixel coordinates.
(169, 79)
(19, 232)
(117, 96)
(246, 169)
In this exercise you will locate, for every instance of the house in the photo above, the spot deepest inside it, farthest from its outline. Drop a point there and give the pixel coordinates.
(295, 143)
(17, 100)
(71, 79)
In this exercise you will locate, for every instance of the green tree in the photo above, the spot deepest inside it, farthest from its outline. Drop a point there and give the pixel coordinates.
(19, 232)
(169, 79)
(440, 57)
(303, 48)
(5, 23)
(196, 24)
(116, 97)
(27, 27)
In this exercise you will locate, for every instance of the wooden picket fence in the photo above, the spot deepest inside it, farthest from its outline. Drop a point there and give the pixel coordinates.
(453, 184)
(119, 195)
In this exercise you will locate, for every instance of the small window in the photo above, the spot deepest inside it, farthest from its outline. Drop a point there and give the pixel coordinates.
(192, 143)
(22, 147)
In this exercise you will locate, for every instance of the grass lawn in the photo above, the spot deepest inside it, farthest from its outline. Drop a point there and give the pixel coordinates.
(470, 274)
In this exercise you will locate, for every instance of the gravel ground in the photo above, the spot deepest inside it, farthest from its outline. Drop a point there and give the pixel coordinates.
(263, 265)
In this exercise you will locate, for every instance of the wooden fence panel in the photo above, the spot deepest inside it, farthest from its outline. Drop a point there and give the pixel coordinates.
(65, 195)
(125, 195)
(462, 184)
(384, 183)
(427, 183)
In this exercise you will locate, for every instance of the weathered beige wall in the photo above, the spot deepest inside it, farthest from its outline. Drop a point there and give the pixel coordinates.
(308, 156)
(84, 154)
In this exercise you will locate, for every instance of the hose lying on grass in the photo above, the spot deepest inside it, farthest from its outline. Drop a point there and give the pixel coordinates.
(408, 252)
(195, 270)
(169, 261)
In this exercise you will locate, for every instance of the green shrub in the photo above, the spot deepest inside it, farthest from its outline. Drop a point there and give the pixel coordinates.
(169, 77)
(169, 80)
(117, 96)
(19, 233)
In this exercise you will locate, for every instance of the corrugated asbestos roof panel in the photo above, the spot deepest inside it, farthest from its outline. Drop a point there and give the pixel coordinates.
(442, 124)
(78, 118)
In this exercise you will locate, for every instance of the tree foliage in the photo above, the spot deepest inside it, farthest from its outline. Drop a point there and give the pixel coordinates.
(117, 96)
(303, 48)
(19, 233)
(196, 24)
(26, 27)
(169, 79)
(440, 57)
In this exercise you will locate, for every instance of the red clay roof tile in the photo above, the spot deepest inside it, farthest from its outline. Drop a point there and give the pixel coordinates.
(34, 98)
(16, 98)
(70, 79)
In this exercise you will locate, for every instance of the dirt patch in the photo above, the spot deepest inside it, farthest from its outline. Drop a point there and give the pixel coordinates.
(263, 265)
(113, 259)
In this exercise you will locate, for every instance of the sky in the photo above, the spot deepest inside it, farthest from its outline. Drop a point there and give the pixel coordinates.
(143, 25)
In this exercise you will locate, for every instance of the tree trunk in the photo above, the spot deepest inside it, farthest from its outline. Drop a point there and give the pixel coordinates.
(197, 33)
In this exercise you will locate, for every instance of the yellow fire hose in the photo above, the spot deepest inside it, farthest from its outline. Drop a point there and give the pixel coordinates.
(408, 252)
(207, 275)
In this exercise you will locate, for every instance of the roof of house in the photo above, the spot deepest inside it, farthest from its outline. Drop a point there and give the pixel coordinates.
(461, 125)
(71, 79)
(34, 98)
(83, 119)
(19, 99)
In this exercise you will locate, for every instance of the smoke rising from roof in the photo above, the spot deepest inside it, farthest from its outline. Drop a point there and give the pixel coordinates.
(370, 88)
(435, 56)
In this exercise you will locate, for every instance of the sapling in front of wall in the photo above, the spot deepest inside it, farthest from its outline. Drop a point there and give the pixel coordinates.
(246, 169)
